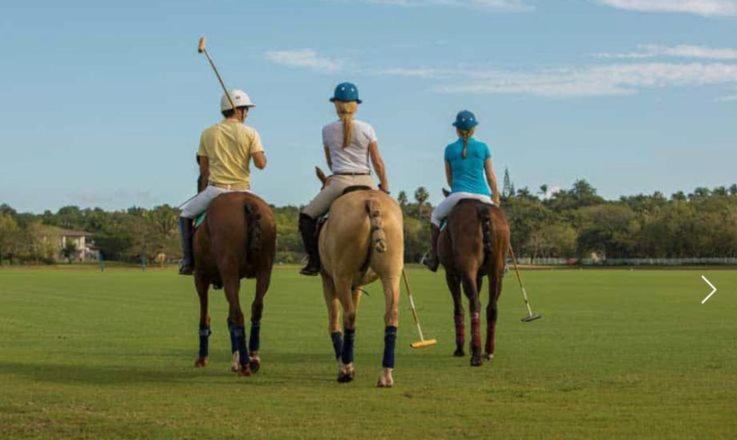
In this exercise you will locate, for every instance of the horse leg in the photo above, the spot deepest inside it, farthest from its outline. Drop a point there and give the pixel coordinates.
(454, 285)
(469, 288)
(495, 290)
(263, 279)
(344, 293)
(202, 287)
(231, 283)
(333, 305)
(391, 321)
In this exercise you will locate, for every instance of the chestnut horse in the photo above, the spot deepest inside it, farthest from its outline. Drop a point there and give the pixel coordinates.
(473, 245)
(237, 240)
(361, 241)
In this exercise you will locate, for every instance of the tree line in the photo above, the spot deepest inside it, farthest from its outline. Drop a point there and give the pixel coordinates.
(569, 223)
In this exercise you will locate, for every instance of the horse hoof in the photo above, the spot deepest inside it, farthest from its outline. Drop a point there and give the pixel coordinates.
(245, 371)
(384, 384)
(489, 357)
(346, 374)
(477, 361)
(385, 380)
(255, 364)
(459, 353)
(200, 362)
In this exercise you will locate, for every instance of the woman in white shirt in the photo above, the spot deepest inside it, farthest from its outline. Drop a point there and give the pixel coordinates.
(351, 150)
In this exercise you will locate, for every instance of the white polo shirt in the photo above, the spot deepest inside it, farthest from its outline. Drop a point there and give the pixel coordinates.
(355, 157)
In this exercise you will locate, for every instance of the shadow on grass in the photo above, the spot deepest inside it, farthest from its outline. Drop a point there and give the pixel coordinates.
(316, 368)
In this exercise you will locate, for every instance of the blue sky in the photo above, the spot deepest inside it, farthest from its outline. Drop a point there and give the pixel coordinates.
(103, 105)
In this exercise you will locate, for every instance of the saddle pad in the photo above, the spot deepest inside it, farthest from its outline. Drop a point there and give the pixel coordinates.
(200, 219)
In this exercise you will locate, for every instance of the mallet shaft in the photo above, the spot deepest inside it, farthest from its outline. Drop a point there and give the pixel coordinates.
(201, 49)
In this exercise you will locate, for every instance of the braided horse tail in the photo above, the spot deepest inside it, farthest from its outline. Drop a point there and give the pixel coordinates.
(485, 218)
(253, 232)
(378, 236)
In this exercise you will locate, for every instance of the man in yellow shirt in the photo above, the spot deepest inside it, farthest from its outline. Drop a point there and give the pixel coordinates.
(225, 154)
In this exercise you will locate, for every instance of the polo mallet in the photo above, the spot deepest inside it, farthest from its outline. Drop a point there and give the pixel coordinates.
(201, 49)
(422, 343)
(530, 315)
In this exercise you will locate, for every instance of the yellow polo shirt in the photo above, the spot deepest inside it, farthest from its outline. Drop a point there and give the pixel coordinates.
(228, 146)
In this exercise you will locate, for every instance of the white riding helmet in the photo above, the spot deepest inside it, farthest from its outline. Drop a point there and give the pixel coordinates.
(239, 97)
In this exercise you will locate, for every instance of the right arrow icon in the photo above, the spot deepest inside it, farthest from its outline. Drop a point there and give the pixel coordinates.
(713, 289)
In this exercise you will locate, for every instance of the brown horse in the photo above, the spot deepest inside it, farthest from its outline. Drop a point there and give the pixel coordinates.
(361, 241)
(473, 245)
(237, 240)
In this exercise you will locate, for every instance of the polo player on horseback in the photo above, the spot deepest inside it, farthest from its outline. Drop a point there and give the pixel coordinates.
(470, 174)
(225, 154)
(351, 149)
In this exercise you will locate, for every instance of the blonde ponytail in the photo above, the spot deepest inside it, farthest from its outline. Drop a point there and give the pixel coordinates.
(346, 112)
(465, 135)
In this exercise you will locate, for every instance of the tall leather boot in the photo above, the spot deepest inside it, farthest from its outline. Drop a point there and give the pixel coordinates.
(308, 229)
(431, 260)
(186, 230)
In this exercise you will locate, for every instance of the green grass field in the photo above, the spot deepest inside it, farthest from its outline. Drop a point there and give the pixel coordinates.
(618, 353)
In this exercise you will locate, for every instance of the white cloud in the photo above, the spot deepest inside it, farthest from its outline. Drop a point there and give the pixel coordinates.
(705, 8)
(419, 72)
(499, 5)
(680, 51)
(596, 80)
(731, 98)
(616, 79)
(304, 58)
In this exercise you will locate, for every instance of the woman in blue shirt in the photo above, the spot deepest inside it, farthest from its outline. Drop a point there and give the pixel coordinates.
(470, 174)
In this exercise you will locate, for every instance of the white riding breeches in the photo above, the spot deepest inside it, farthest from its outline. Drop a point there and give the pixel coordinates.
(443, 209)
(201, 201)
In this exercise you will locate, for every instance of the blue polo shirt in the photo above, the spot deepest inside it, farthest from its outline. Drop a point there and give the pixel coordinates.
(468, 174)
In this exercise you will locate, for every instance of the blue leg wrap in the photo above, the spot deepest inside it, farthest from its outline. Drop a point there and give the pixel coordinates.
(390, 339)
(238, 342)
(346, 354)
(204, 338)
(254, 343)
(337, 338)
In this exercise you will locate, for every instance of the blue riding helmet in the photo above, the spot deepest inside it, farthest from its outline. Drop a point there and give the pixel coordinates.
(465, 120)
(346, 92)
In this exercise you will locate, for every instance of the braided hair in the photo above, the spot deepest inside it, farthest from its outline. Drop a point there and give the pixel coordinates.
(346, 112)
(465, 135)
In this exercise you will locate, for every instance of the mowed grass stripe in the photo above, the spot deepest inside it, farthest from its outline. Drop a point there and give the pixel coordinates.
(618, 353)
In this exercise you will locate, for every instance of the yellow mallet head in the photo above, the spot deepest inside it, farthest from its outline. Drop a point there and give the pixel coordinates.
(423, 343)
(201, 46)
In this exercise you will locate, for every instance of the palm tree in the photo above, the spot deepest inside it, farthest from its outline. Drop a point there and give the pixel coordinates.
(421, 196)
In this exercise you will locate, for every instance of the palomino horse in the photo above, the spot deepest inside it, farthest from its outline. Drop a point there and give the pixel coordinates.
(473, 245)
(237, 240)
(361, 241)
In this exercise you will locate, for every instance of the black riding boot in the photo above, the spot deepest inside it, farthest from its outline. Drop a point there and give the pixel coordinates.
(308, 229)
(431, 261)
(186, 229)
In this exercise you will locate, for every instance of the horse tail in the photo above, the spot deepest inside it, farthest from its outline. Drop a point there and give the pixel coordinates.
(378, 236)
(485, 219)
(253, 221)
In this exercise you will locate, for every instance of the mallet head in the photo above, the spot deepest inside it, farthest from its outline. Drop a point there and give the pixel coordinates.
(531, 317)
(201, 45)
(424, 343)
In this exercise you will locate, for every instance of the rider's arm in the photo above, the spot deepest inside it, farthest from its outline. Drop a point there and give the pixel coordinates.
(255, 149)
(491, 179)
(448, 174)
(378, 164)
(259, 159)
(327, 158)
(204, 167)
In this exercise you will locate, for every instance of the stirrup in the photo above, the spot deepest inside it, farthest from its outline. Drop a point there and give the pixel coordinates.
(185, 269)
(310, 269)
(430, 263)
